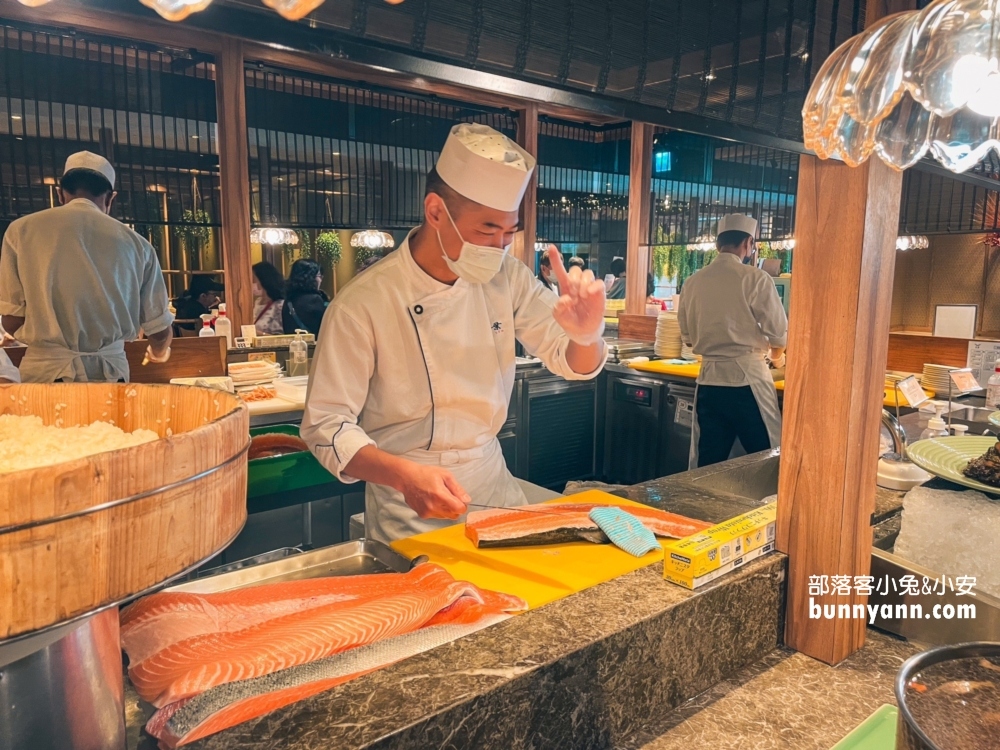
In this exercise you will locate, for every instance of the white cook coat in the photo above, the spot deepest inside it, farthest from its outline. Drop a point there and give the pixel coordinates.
(85, 284)
(425, 370)
(730, 314)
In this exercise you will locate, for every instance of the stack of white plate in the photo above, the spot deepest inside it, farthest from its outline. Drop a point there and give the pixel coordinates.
(668, 336)
(936, 378)
(253, 373)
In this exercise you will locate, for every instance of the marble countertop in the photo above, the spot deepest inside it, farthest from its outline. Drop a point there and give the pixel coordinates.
(787, 701)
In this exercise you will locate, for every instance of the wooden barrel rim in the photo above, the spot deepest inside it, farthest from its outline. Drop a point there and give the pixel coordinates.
(125, 500)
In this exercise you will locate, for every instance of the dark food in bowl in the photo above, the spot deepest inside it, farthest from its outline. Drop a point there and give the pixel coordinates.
(986, 468)
(275, 444)
(957, 703)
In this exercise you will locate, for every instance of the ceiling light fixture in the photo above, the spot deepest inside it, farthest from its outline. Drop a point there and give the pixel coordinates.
(913, 83)
(912, 242)
(273, 236)
(373, 239)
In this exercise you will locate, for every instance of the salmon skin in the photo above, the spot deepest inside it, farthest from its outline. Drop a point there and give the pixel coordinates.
(160, 620)
(233, 703)
(196, 664)
(554, 523)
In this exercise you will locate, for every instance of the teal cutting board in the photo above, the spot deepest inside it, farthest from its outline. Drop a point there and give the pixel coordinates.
(877, 732)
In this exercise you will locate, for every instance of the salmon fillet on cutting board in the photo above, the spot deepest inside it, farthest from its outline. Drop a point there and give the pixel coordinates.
(553, 523)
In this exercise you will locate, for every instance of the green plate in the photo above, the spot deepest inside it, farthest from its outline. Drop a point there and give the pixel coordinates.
(877, 732)
(947, 456)
(995, 419)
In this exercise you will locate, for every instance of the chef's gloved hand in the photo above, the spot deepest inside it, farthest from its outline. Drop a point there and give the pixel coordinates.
(152, 357)
(434, 492)
(580, 309)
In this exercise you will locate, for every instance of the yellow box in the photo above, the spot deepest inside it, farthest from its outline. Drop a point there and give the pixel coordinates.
(703, 557)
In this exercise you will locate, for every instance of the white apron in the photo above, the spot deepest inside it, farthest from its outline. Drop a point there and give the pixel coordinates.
(758, 377)
(48, 363)
(468, 390)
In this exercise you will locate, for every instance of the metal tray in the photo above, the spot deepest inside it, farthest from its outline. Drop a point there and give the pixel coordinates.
(350, 558)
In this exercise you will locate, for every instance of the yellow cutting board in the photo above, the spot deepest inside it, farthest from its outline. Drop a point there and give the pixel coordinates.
(538, 575)
(888, 397)
(662, 367)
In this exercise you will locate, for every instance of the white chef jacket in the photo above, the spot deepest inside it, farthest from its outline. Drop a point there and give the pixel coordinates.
(730, 314)
(85, 284)
(727, 311)
(425, 370)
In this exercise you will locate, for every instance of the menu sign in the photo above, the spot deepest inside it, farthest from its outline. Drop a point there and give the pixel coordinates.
(983, 356)
(964, 381)
(911, 390)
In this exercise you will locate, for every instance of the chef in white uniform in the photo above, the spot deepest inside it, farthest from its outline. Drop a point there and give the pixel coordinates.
(731, 315)
(414, 365)
(76, 284)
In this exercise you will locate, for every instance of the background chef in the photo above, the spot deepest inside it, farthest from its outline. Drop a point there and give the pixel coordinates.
(731, 315)
(76, 284)
(415, 361)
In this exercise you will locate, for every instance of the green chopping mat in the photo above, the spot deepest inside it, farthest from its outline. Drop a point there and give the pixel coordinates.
(877, 732)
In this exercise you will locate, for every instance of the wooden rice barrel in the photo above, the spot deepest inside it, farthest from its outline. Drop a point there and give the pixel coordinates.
(80, 535)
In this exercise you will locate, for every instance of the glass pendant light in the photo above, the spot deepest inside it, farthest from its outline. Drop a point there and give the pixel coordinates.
(373, 239)
(273, 236)
(913, 83)
(176, 10)
(293, 10)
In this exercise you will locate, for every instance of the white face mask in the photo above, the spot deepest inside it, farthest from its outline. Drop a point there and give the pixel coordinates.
(476, 264)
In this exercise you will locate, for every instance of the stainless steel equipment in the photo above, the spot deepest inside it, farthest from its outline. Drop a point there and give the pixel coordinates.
(350, 558)
(619, 349)
(73, 673)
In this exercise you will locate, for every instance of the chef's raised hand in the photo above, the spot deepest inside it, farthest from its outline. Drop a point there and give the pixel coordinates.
(434, 492)
(580, 309)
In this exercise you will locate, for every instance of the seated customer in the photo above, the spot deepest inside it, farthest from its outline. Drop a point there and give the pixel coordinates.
(305, 302)
(268, 299)
(201, 296)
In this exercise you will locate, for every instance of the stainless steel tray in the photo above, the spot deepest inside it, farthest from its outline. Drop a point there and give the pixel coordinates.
(350, 558)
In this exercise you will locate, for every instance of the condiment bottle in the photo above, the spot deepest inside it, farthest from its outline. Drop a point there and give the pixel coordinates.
(993, 389)
(224, 326)
(206, 327)
(298, 355)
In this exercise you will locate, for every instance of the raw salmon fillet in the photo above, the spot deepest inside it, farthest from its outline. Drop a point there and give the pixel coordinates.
(233, 703)
(552, 523)
(160, 620)
(196, 664)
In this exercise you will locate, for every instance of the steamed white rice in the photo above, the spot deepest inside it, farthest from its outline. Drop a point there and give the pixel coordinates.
(26, 443)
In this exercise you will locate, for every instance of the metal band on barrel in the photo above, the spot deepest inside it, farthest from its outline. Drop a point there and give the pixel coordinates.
(124, 500)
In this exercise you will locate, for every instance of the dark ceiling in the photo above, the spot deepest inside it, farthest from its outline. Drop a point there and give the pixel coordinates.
(746, 63)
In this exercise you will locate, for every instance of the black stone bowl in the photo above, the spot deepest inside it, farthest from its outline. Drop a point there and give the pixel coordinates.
(909, 736)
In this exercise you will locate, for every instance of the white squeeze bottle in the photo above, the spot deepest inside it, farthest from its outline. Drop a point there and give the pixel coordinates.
(936, 426)
(206, 326)
(298, 355)
(224, 326)
(993, 389)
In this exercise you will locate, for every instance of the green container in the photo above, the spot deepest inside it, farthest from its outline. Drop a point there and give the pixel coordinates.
(284, 474)
(877, 732)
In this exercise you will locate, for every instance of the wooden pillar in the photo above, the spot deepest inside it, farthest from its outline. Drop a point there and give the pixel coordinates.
(234, 171)
(637, 247)
(527, 138)
(846, 221)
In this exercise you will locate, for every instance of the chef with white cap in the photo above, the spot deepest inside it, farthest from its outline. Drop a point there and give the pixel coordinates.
(415, 361)
(76, 284)
(731, 315)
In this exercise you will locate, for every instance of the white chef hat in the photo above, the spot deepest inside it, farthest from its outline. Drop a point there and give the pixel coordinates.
(92, 163)
(485, 166)
(738, 223)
